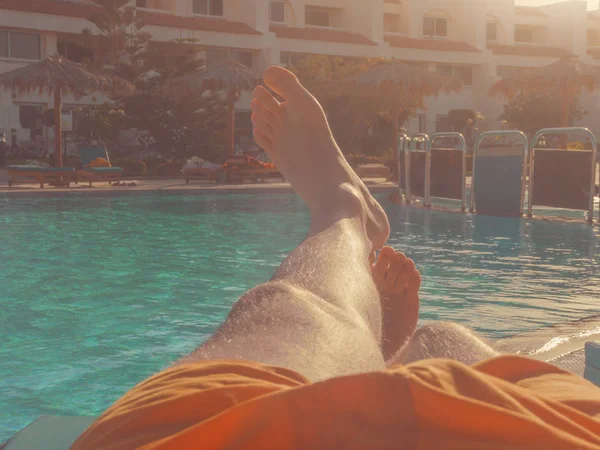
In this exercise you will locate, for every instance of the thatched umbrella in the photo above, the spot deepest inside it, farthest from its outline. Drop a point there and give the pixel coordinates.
(568, 76)
(228, 75)
(400, 83)
(58, 76)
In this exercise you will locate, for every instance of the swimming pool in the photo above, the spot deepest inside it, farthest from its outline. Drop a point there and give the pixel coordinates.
(99, 291)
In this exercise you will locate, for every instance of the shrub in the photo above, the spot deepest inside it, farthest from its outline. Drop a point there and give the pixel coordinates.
(169, 169)
(153, 163)
(356, 159)
(131, 168)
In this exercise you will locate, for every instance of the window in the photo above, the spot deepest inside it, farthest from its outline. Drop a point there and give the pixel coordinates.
(435, 27)
(492, 32)
(278, 12)
(523, 34)
(3, 44)
(593, 37)
(318, 17)
(464, 74)
(443, 124)
(30, 118)
(392, 23)
(445, 70)
(215, 55)
(20, 45)
(208, 7)
(291, 59)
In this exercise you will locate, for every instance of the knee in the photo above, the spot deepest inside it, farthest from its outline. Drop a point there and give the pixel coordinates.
(439, 330)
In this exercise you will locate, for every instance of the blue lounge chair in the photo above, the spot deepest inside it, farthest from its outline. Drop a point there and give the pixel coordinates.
(91, 174)
(41, 174)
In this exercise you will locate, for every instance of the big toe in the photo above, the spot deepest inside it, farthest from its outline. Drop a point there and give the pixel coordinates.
(284, 82)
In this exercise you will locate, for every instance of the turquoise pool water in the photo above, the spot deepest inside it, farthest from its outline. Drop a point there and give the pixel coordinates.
(99, 291)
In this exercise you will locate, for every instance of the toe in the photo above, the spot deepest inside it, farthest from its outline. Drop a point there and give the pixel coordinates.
(396, 267)
(380, 267)
(264, 97)
(283, 82)
(262, 125)
(263, 113)
(414, 284)
(405, 275)
(262, 140)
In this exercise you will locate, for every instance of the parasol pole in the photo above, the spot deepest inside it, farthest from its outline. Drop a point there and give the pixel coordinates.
(58, 153)
(231, 97)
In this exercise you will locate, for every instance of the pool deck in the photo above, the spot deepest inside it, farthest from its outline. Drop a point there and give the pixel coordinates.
(168, 184)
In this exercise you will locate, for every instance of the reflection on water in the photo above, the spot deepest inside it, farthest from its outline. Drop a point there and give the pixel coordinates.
(500, 275)
(98, 292)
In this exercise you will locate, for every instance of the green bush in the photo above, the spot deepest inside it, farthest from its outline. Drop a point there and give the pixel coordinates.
(169, 169)
(131, 168)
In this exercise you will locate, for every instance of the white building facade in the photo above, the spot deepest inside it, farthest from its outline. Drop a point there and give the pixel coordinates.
(475, 41)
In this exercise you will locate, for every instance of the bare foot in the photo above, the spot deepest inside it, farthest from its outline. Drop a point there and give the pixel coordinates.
(296, 136)
(398, 282)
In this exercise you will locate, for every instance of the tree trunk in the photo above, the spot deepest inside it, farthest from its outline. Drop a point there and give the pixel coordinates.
(395, 126)
(231, 97)
(58, 151)
(565, 107)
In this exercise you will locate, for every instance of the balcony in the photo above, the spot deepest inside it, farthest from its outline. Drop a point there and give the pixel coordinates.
(70, 8)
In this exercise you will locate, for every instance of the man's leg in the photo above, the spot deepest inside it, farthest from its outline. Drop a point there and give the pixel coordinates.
(447, 341)
(320, 315)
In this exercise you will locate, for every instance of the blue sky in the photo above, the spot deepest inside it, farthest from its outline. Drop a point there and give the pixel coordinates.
(592, 4)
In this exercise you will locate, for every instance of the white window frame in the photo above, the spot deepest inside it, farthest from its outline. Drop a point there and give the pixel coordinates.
(454, 67)
(279, 22)
(209, 12)
(435, 18)
(10, 57)
(307, 12)
(532, 42)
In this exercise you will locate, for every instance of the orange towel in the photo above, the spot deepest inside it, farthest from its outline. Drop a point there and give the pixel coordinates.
(509, 402)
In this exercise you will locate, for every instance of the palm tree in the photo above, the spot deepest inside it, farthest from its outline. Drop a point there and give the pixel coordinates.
(567, 76)
(58, 76)
(401, 85)
(229, 76)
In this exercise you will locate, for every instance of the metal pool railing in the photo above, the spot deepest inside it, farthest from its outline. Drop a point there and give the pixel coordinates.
(493, 178)
(447, 173)
(417, 187)
(566, 178)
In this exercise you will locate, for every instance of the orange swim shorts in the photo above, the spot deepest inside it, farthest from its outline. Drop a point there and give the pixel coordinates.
(509, 402)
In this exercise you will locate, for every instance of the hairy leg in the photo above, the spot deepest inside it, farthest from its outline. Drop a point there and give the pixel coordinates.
(448, 341)
(320, 315)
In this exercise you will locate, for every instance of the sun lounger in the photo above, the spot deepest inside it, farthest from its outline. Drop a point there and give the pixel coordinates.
(199, 172)
(49, 433)
(91, 174)
(43, 175)
(241, 167)
(373, 171)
